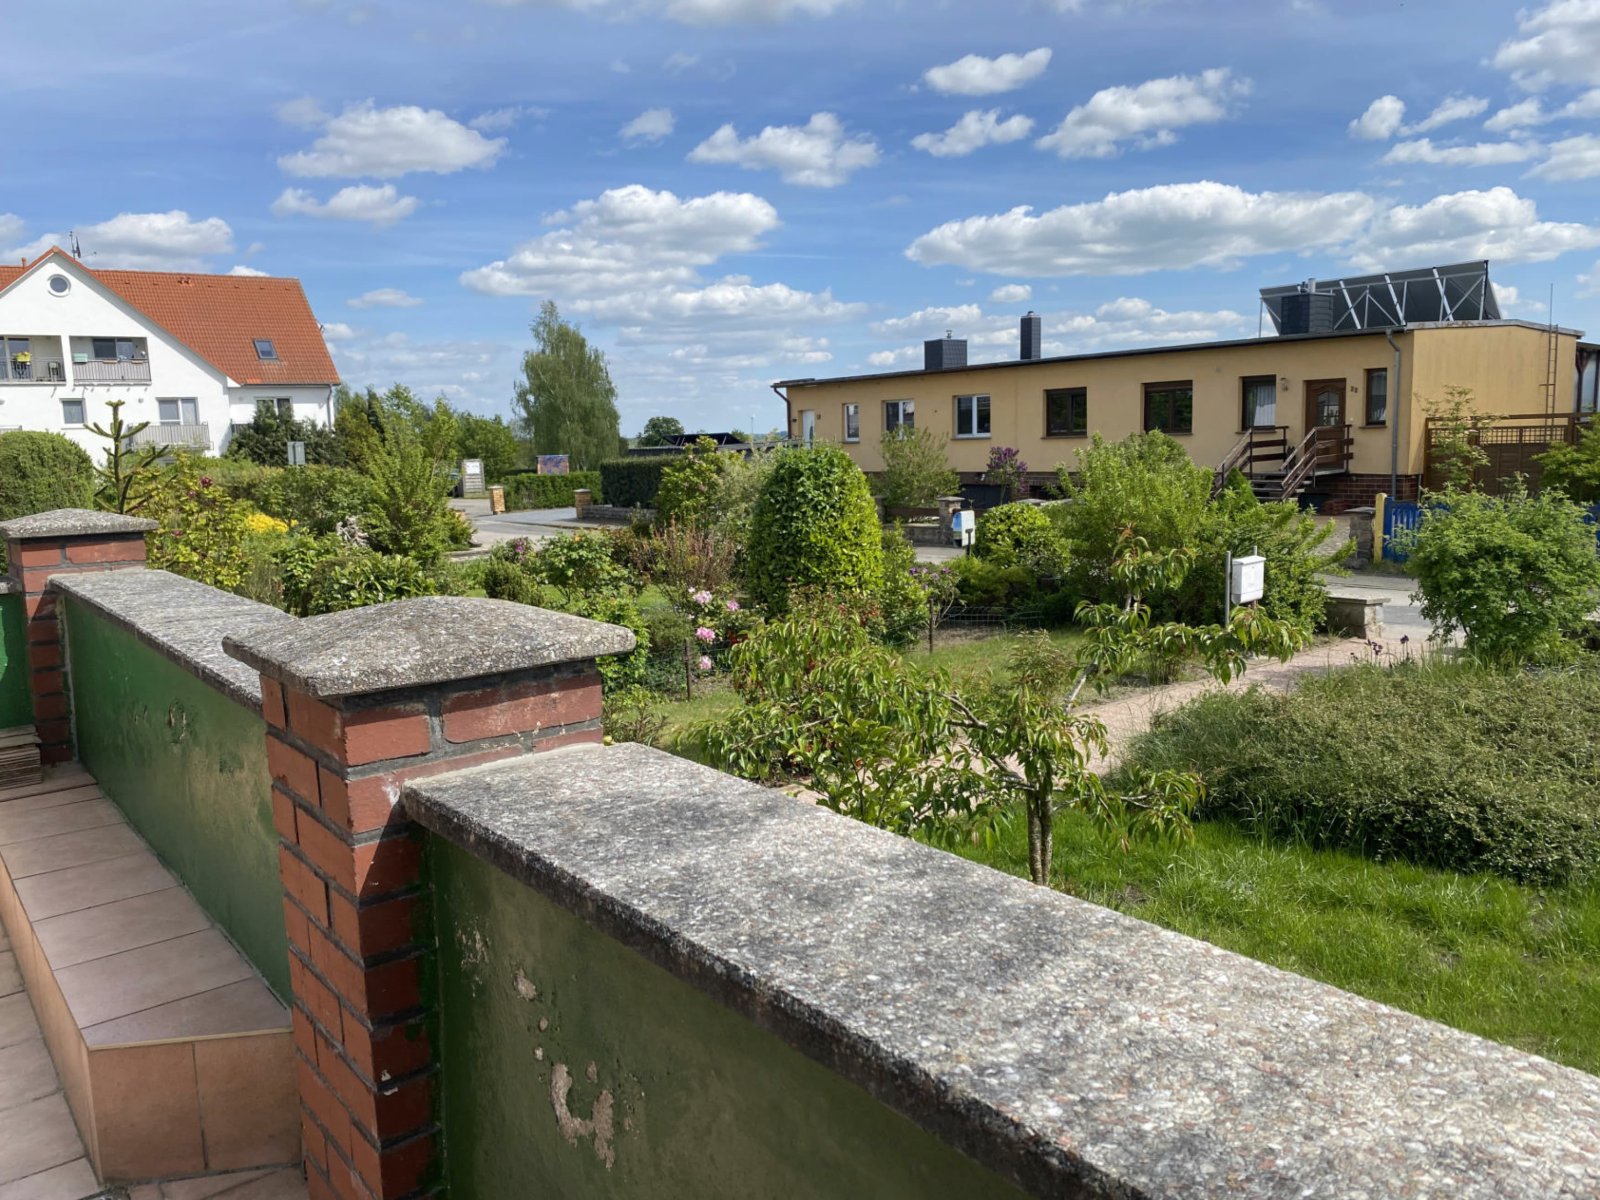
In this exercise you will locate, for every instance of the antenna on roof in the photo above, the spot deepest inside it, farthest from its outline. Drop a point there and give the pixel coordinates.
(77, 251)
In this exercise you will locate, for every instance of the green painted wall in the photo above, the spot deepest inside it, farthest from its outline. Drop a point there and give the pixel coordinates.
(188, 767)
(703, 1104)
(16, 704)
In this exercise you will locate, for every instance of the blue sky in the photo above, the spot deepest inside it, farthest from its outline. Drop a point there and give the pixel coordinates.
(727, 192)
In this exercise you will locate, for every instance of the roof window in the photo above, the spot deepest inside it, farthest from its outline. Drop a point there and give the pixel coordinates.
(265, 350)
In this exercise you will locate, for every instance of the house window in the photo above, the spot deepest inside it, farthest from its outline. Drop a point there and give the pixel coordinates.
(283, 405)
(1258, 402)
(184, 411)
(972, 416)
(59, 285)
(72, 412)
(265, 350)
(1169, 407)
(1377, 397)
(1066, 412)
(897, 413)
(115, 350)
(852, 422)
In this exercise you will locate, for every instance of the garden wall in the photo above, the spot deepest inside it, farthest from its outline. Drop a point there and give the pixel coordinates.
(16, 705)
(172, 731)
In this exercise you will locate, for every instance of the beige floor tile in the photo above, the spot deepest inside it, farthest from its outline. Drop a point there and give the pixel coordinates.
(10, 977)
(248, 1100)
(26, 1073)
(92, 933)
(39, 1135)
(147, 1112)
(288, 1184)
(70, 1181)
(70, 850)
(145, 1191)
(135, 980)
(55, 799)
(52, 782)
(17, 1022)
(73, 888)
(244, 1007)
(208, 1185)
(29, 825)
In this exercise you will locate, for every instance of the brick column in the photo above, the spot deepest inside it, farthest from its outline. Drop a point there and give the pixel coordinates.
(68, 540)
(356, 703)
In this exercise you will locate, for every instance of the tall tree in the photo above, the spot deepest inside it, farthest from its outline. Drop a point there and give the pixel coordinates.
(567, 400)
(659, 431)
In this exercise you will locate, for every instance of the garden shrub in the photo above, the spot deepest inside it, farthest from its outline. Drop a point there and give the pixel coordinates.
(1456, 765)
(634, 481)
(330, 574)
(266, 439)
(43, 471)
(981, 583)
(689, 483)
(1574, 470)
(530, 490)
(902, 599)
(1021, 533)
(407, 510)
(314, 499)
(202, 530)
(681, 557)
(814, 525)
(1517, 573)
(916, 469)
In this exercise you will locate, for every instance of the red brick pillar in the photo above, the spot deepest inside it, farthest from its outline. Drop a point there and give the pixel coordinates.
(355, 704)
(68, 540)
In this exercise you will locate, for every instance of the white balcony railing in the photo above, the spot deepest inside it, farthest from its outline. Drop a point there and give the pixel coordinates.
(195, 436)
(47, 370)
(111, 371)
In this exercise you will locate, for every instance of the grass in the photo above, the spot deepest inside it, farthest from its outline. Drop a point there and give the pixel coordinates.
(1517, 964)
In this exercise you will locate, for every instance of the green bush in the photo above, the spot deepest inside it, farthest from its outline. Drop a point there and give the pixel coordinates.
(982, 583)
(529, 489)
(916, 469)
(1455, 765)
(42, 471)
(313, 499)
(633, 482)
(1575, 470)
(327, 574)
(266, 439)
(902, 599)
(1517, 573)
(202, 530)
(814, 525)
(1022, 534)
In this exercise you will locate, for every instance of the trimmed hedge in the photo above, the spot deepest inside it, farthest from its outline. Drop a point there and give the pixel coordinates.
(40, 472)
(529, 489)
(814, 525)
(633, 482)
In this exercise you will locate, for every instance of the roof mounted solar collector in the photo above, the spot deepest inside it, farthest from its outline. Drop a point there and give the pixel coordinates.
(1458, 292)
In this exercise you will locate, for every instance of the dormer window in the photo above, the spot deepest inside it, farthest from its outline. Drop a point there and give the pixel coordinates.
(265, 350)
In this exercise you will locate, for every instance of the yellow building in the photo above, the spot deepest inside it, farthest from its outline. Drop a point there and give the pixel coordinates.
(1336, 416)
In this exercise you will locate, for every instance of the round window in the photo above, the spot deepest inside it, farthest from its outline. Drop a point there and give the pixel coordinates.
(60, 285)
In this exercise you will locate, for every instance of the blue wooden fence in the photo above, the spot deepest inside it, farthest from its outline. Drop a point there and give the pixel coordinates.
(1401, 516)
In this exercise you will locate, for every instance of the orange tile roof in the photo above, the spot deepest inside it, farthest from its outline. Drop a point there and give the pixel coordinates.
(220, 316)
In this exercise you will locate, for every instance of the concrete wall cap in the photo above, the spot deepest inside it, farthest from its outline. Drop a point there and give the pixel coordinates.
(413, 643)
(180, 618)
(72, 522)
(1074, 1049)
(8, 585)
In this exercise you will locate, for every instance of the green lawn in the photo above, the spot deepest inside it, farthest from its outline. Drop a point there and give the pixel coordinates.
(1517, 964)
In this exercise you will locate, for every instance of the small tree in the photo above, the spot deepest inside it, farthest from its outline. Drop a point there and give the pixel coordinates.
(124, 466)
(490, 440)
(1575, 470)
(661, 431)
(916, 469)
(814, 525)
(567, 400)
(1007, 470)
(1455, 429)
(1516, 573)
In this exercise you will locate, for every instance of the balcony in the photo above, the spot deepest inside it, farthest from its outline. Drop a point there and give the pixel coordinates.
(25, 359)
(196, 437)
(112, 370)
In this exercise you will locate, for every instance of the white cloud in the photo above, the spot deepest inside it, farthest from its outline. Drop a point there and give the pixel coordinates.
(932, 321)
(360, 202)
(649, 127)
(169, 241)
(498, 120)
(972, 132)
(1381, 120)
(976, 75)
(816, 154)
(1183, 225)
(1147, 115)
(1530, 112)
(1011, 293)
(1559, 43)
(1461, 226)
(384, 298)
(1169, 227)
(1571, 158)
(452, 368)
(337, 331)
(241, 269)
(1483, 154)
(388, 142)
(893, 358)
(302, 113)
(1452, 108)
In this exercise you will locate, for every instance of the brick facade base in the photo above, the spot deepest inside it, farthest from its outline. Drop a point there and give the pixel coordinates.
(1356, 491)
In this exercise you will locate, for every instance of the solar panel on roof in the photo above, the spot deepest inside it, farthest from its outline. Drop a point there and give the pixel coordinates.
(1458, 292)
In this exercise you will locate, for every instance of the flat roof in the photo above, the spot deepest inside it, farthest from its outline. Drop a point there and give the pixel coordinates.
(1264, 339)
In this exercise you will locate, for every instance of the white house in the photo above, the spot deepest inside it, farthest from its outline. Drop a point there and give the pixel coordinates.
(191, 354)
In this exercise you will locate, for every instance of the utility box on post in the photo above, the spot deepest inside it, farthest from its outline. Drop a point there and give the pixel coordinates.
(1249, 581)
(963, 524)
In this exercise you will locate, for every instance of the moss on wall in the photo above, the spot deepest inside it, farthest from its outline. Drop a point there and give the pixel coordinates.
(188, 767)
(573, 1067)
(16, 703)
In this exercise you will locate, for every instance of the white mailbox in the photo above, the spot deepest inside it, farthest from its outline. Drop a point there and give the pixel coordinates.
(1249, 578)
(963, 523)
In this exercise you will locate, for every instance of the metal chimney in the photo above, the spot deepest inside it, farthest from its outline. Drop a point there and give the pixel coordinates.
(944, 354)
(1032, 336)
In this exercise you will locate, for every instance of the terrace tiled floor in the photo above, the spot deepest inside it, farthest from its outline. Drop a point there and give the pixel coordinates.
(87, 919)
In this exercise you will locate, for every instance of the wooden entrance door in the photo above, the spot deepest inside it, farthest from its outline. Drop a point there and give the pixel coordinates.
(1324, 403)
